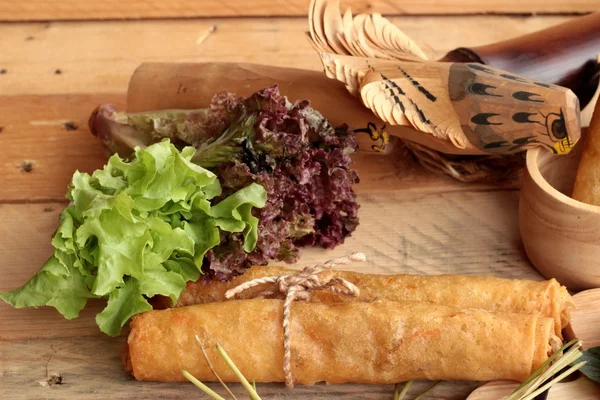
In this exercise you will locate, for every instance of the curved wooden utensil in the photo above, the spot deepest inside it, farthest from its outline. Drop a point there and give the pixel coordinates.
(580, 389)
(585, 319)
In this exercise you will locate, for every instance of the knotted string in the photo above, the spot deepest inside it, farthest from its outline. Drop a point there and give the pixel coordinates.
(299, 286)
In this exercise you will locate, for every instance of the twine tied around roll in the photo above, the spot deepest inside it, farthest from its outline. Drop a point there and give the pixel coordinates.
(299, 286)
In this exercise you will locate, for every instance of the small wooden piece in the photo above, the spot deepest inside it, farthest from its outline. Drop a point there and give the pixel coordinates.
(580, 389)
(561, 235)
(585, 319)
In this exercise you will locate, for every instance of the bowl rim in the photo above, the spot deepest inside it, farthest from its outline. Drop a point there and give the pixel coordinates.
(531, 163)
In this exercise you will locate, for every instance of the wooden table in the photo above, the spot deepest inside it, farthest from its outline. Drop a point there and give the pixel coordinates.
(53, 73)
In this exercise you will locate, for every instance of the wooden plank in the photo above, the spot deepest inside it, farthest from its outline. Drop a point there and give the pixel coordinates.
(99, 57)
(91, 368)
(36, 10)
(40, 153)
(464, 232)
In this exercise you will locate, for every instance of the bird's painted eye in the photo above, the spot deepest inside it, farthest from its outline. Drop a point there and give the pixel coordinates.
(558, 129)
(556, 126)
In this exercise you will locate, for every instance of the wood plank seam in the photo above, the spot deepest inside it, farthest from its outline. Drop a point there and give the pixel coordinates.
(36, 10)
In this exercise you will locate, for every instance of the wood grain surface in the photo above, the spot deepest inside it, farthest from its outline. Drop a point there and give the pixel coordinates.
(15, 10)
(99, 57)
(52, 74)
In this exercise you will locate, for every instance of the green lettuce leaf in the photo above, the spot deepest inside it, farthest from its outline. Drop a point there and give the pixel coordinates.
(55, 284)
(122, 305)
(135, 230)
(234, 214)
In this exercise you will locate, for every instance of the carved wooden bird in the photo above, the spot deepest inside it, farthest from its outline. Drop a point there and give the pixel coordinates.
(472, 106)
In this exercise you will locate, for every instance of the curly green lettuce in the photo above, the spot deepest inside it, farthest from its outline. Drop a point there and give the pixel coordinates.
(288, 148)
(134, 230)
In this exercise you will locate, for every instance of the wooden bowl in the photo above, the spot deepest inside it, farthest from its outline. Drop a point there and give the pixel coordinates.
(561, 235)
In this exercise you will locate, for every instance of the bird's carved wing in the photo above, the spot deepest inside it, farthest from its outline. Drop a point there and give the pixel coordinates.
(391, 90)
(364, 35)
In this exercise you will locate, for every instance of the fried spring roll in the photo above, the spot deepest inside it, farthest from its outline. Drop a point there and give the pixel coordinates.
(381, 342)
(546, 298)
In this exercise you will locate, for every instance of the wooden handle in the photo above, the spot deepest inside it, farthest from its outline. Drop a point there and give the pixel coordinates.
(565, 55)
(587, 181)
(158, 86)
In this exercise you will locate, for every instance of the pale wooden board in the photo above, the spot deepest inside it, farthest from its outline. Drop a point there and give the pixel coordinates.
(585, 320)
(15, 10)
(34, 132)
(99, 57)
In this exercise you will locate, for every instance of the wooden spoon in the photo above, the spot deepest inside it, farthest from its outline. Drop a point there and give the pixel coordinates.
(585, 325)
